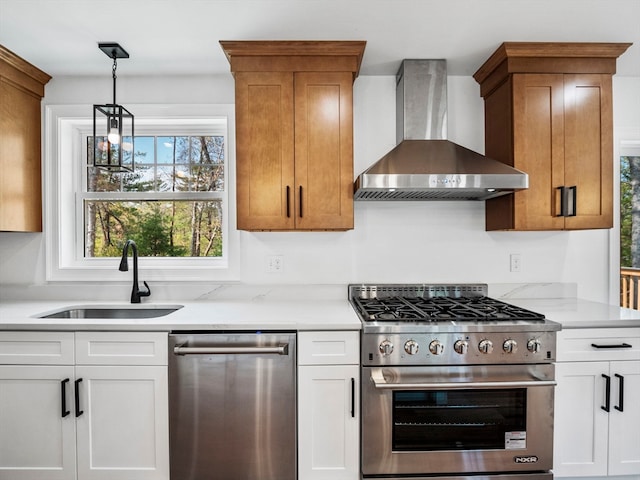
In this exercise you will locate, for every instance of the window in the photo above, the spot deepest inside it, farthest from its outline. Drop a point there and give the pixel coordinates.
(171, 204)
(630, 212)
(174, 203)
(630, 226)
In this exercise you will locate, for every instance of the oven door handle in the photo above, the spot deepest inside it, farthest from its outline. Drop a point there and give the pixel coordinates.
(377, 377)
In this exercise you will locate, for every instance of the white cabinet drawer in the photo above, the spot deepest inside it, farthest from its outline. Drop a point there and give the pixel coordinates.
(329, 348)
(598, 344)
(36, 348)
(121, 348)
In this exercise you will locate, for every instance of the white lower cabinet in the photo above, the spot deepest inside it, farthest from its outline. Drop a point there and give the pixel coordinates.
(328, 406)
(36, 442)
(597, 406)
(101, 414)
(123, 430)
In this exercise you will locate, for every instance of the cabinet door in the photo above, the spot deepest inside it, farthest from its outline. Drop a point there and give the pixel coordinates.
(36, 440)
(539, 131)
(20, 160)
(265, 151)
(580, 424)
(624, 426)
(123, 431)
(328, 419)
(589, 149)
(324, 150)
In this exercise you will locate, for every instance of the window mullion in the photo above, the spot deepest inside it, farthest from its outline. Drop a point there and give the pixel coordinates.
(150, 196)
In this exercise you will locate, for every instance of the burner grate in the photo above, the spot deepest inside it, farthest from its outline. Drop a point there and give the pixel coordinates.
(439, 308)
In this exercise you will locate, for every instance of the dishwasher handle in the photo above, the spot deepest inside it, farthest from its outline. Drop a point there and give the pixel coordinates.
(277, 350)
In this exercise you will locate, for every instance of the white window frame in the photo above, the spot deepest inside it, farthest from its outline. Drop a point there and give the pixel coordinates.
(66, 130)
(626, 144)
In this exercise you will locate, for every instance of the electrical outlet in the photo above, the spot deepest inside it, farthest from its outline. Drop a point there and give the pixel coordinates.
(275, 263)
(515, 262)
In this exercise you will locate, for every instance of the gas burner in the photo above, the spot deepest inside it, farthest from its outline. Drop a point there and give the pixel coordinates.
(390, 309)
(434, 303)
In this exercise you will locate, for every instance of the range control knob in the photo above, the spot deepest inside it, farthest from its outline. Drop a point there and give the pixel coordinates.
(411, 347)
(485, 346)
(509, 346)
(461, 346)
(534, 345)
(386, 348)
(436, 348)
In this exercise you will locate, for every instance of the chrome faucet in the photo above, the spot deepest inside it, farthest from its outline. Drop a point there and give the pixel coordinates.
(124, 266)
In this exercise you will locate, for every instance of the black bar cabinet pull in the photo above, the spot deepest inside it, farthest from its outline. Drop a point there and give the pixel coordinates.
(353, 397)
(620, 406)
(63, 394)
(568, 201)
(574, 201)
(300, 201)
(607, 393)
(288, 210)
(77, 395)
(615, 345)
(563, 202)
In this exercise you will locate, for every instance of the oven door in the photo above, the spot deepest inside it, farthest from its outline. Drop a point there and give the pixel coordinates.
(457, 419)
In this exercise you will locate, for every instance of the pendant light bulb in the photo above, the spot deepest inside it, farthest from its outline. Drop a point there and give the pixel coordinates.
(114, 134)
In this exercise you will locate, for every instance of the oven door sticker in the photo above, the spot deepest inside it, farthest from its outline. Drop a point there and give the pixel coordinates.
(515, 440)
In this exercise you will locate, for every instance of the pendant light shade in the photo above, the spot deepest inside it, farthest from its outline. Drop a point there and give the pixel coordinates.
(113, 130)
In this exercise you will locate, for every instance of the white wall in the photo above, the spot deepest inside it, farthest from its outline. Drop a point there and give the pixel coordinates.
(392, 241)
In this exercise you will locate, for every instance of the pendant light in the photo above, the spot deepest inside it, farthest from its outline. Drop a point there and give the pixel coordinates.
(112, 125)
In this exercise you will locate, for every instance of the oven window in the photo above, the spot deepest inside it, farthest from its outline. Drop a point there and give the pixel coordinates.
(478, 419)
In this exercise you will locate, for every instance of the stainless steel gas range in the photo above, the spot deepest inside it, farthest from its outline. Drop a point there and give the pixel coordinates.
(454, 384)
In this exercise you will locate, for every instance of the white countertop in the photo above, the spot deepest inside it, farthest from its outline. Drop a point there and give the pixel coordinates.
(217, 307)
(324, 314)
(247, 308)
(576, 313)
(272, 308)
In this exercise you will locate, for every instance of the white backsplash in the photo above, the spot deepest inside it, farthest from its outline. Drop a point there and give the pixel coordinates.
(245, 292)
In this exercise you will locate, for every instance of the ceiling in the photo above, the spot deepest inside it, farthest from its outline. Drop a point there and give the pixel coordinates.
(180, 37)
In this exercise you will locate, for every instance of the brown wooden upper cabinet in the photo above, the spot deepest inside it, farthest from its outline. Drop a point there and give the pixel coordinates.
(294, 133)
(548, 112)
(21, 90)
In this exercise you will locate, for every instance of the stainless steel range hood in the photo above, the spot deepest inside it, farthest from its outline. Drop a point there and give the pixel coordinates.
(424, 165)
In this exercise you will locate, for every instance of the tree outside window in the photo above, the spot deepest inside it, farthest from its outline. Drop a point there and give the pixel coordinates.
(630, 231)
(630, 212)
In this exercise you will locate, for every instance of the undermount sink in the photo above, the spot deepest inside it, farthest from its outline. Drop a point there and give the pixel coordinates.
(113, 311)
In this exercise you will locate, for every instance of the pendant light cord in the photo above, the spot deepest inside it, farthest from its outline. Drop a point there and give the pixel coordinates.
(113, 71)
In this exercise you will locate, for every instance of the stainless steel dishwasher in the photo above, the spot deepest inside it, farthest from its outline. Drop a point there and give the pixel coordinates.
(232, 406)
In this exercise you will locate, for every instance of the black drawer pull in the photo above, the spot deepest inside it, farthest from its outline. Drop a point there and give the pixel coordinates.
(63, 394)
(573, 193)
(620, 406)
(618, 345)
(77, 395)
(300, 201)
(568, 201)
(353, 397)
(563, 202)
(607, 393)
(288, 210)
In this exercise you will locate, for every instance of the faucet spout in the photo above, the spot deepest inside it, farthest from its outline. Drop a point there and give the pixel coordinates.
(136, 293)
